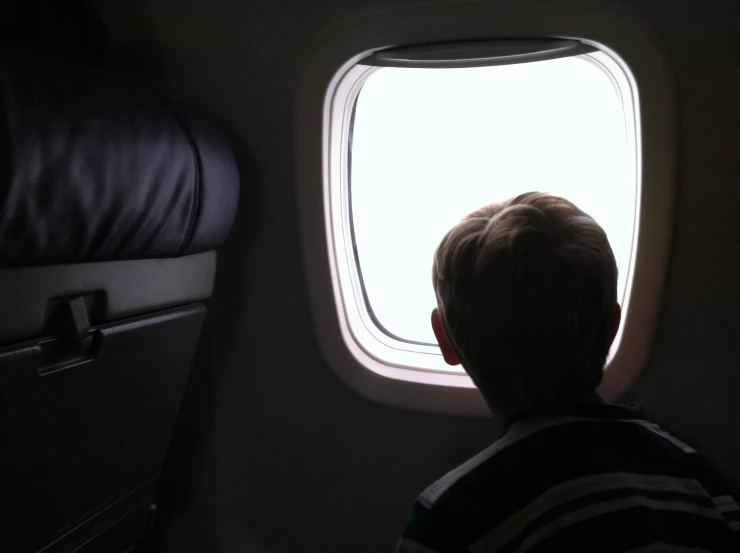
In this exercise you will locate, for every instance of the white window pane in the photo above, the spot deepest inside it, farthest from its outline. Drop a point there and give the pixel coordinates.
(431, 145)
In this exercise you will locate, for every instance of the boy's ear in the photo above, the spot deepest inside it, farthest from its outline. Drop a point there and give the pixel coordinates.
(448, 352)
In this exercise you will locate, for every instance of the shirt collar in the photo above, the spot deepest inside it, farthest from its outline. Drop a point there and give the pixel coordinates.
(585, 410)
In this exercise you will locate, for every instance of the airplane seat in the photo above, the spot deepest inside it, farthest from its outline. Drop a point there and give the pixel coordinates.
(111, 206)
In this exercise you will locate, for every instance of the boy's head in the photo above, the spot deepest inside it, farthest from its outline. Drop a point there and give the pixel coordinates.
(527, 301)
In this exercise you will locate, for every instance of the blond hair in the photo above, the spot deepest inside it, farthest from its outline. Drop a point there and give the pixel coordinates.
(526, 289)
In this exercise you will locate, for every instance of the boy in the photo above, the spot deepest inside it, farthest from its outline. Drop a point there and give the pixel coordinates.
(526, 294)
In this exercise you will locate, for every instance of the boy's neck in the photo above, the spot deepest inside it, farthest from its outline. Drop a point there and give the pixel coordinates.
(506, 414)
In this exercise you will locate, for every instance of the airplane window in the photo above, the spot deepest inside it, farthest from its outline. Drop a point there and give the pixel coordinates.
(394, 145)
(429, 145)
(425, 145)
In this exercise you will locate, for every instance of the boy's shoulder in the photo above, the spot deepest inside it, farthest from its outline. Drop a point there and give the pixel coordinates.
(489, 484)
(536, 452)
(539, 460)
(482, 492)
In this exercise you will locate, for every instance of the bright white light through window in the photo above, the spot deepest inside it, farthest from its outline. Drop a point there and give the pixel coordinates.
(429, 146)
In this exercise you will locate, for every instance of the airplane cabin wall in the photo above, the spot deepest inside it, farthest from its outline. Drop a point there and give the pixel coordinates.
(274, 454)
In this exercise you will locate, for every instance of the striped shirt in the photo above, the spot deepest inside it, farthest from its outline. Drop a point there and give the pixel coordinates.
(596, 478)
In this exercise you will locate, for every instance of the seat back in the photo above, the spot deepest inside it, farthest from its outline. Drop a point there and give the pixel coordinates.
(111, 204)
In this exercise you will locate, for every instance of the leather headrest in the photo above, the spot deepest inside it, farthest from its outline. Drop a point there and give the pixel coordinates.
(93, 168)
